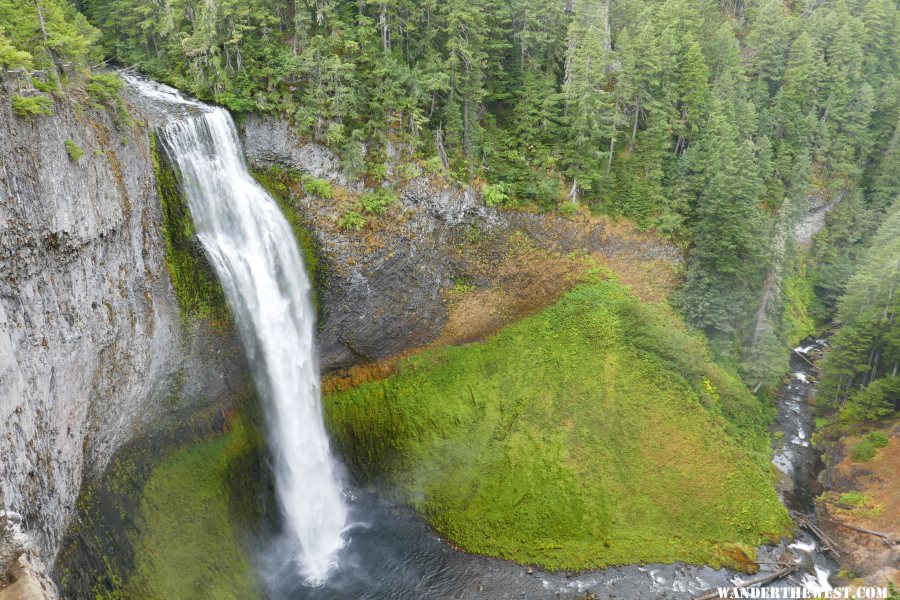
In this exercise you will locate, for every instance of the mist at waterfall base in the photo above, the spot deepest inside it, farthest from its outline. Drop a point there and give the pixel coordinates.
(386, 550)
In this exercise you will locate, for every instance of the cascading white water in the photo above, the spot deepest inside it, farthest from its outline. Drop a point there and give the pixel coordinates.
(253, 250)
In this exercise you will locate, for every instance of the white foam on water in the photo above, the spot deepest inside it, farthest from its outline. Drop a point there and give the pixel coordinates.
(803, 546)
(817, 584)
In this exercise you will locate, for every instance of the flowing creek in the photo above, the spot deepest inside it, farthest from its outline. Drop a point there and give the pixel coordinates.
(387, 551)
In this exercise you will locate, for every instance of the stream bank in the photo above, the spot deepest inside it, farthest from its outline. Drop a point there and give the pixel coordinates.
(861, 503)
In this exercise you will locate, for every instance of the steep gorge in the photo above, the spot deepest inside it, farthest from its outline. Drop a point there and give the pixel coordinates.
(106, 286)
(100, 353)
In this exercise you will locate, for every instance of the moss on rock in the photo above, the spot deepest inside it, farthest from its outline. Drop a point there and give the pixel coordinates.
(595, 433)
(193, 278)
(187, 540)
(174, 514)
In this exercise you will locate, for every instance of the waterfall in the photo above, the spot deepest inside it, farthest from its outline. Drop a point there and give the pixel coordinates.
(252, 249)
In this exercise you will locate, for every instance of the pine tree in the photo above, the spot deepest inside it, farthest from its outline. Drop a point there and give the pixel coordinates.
(862, 373)
(728, 254)
(768, 40)
(591, 107)
(693, 90)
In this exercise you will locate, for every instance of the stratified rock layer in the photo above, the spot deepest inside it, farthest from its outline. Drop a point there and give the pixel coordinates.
(92, 346)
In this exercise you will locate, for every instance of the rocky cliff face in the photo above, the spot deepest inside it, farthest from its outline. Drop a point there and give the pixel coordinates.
(386, 288)
(94, 349)
(92, 346)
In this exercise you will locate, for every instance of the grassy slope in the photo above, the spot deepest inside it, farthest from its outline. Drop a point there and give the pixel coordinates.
(591, 434)
(187, 542)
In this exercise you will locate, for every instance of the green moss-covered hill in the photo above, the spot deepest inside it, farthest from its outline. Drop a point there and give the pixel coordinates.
(595, 433)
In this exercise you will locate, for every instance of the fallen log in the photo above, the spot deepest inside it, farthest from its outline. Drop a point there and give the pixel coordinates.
(831, 327)
(800, 354)
(884, 537)
(768, 577)
(843, 505)
(827, 543)
(807, 402)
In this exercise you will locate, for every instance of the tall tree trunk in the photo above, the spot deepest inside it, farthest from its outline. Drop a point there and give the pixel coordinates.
(439, 146)
(607, 36)
(43, 26)
(637, 112)
(573, 193)
(385, 35)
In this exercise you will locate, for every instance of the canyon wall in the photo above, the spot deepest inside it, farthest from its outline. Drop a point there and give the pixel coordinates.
(95, 350)
(92, 344)
(384, 290)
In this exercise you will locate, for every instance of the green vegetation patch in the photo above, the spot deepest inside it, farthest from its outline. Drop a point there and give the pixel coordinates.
(595, 433)
(352, 221)
(29, 107)
(879, 439)
(174, 513)
(799, 298)
(74, 151)
(187, 544)
(863, 451)
(193, 279)
(854, 499)
(377, 202)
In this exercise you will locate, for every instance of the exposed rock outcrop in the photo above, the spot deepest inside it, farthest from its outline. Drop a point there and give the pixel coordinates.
(871, 489)
(812, 219)
(92, 345)
(22, 574)
(386, 285)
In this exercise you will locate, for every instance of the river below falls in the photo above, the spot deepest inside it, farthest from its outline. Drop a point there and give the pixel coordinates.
(393, 553)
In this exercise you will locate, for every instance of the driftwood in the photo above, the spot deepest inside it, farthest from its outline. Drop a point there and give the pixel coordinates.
(800, 354)
(884, 537)
(784, 571)
(843, 505)
(831, 327)
(827, 543)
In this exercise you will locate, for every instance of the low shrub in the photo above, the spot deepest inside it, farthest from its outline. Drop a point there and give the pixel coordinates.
(409, 170)
(317, 187)
(352, 221)
(495, 194)
(334, 135)
(863, 451)
(42, 86)
(854, 499)
(104, 88)
(434, 165)
(75, 151)
(879, 439)
(29, 107)
(377, 202)
(568, 209)
(377, 171)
